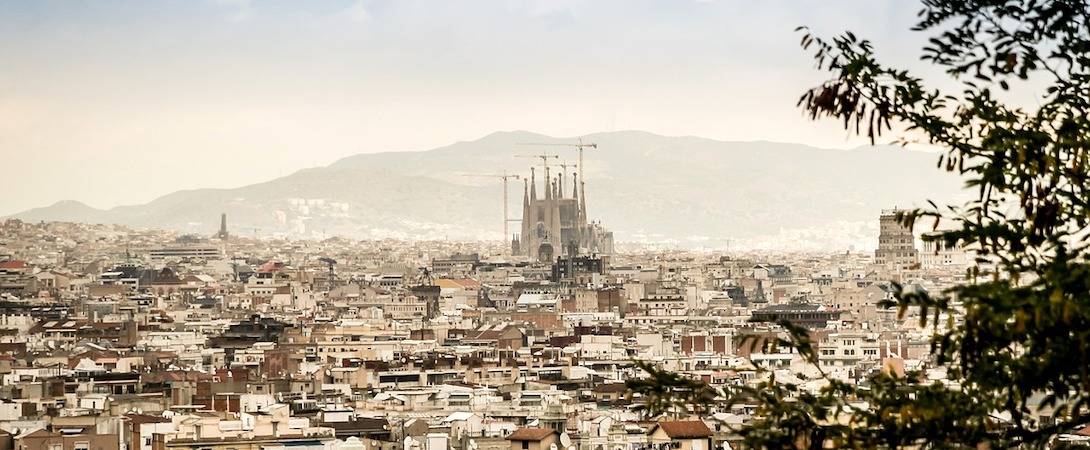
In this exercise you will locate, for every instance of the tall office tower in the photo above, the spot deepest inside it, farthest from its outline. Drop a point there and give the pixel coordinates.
(896, 243)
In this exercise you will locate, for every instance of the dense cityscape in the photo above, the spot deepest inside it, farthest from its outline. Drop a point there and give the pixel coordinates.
(544, 225)
(115, 338)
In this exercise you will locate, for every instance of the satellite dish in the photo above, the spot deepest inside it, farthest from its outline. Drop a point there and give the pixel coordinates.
(565, 440)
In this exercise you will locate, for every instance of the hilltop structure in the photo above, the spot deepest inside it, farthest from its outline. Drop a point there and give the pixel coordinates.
(554, 225)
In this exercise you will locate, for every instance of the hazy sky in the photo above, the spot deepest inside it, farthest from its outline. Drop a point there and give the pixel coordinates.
(119, 102)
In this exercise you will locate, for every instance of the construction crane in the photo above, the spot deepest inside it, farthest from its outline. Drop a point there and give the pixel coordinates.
(580, 146)
(564, 165)
(505, 176)
(332, 276)
(544, 159)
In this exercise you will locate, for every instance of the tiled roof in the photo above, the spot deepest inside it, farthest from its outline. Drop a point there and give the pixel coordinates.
(271, 266)
(468, 283)
(15, 264)
(685, 429)
(447, 283)
(610, 387)
(530, 434)
(60, 324)
(145, 418)
(41, 433)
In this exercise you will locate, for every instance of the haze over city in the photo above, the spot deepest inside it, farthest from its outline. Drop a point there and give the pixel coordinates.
(117, 103)
(544, 224)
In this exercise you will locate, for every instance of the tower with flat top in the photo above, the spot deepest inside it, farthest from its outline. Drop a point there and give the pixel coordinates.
(896, 243)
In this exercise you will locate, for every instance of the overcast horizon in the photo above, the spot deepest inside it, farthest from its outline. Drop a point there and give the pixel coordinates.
(118, 103)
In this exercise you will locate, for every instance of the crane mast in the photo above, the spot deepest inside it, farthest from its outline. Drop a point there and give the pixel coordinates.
(506, 218)
(564, 165)
(580, 146)
(544, 159)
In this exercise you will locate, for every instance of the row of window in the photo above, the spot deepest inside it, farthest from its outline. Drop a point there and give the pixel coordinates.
(849, 352)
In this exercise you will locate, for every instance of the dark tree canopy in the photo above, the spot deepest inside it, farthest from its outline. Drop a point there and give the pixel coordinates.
(1016, 339)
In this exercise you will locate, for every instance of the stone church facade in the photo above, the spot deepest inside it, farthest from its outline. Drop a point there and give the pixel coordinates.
(554, 225)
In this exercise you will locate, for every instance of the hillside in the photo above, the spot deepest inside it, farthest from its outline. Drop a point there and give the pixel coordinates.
(638, 184)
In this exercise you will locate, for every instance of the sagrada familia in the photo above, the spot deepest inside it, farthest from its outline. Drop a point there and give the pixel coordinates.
(555, 225)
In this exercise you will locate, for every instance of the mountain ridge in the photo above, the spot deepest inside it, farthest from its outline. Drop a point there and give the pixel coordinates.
(637, 184)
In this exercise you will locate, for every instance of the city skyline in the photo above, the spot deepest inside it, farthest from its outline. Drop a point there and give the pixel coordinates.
(544, 225)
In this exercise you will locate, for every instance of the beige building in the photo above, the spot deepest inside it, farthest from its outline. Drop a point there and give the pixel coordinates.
(896, 243)
(936, 254)
(240, 431)
(861, 302)
(534, 439)
(44, 440)
(681, 435)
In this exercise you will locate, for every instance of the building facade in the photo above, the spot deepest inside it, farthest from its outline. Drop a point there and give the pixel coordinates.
(555, 225)
(896, 243)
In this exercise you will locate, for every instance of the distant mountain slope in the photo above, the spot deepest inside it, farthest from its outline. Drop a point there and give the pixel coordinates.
(637, 183)
(65, 210)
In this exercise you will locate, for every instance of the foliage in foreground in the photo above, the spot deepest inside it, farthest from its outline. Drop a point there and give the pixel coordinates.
(1022, 346)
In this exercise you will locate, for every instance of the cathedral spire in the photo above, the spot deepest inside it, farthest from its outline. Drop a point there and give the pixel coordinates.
(526, 237)
(554, 221)
(548, 185)
(575, 185)
(583, 202)
(560, 185)
(533, 185)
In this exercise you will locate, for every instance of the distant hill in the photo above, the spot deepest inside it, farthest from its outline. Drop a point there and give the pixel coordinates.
(637, 184)
(67, 211)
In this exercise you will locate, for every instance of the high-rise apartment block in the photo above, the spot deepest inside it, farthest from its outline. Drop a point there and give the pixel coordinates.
(896, 243)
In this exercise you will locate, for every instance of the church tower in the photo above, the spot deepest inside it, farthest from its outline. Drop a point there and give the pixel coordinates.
(554, 224)
(222, 234)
